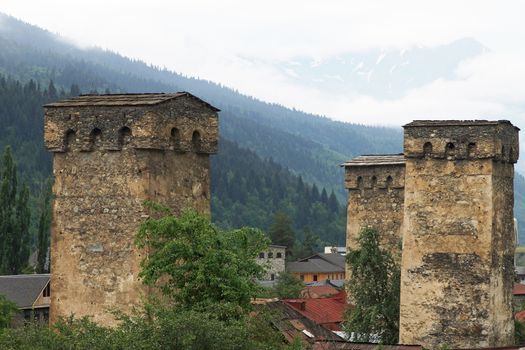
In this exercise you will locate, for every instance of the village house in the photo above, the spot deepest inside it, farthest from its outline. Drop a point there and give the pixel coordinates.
(318, 267)
(30, 293)
(273, 260)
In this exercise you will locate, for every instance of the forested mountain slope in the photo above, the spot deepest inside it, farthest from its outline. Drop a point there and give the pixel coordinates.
(308, 145)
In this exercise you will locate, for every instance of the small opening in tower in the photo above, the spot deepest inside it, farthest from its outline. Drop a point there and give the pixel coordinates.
(374, 181)
(175, 138)
(389, 181)
(511, 153)
(450, 149)
(196, 141)
(69, 139)
(94, 137)
(471, 149)
(360, 184)
(124, 136)
(503, 152)
(427, 149)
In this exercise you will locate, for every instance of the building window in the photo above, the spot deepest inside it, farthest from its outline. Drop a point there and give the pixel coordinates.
(196, 141)
(270, 255)
(47, 291)
(124, 136)
(279, 255)
(261, 255)
(301, 277)
(272, 277)
(315, 278)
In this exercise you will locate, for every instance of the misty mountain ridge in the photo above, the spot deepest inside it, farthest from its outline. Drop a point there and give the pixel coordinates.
(304, 144)
(383, 74)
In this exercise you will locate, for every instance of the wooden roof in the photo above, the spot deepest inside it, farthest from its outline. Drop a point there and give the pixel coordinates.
(120, 100)
(374, 160)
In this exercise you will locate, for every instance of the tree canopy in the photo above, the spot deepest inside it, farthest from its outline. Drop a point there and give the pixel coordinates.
(373, 290)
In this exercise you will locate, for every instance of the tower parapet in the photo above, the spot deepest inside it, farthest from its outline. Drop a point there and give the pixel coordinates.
(110, 153)
(375, 185)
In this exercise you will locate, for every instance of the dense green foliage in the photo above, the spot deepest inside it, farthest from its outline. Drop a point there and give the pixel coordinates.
(374, 291)
(197, 265)
(15, 217)
(44, 227)
(288, 286)
(248, 191)
(7, 311)
(207, 278)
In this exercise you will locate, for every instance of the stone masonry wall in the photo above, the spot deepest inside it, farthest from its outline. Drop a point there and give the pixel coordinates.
(107, 161)
(375, 199)
(456, 279)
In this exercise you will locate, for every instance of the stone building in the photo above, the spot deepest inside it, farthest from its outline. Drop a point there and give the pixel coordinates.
(375, 185)
(273, 260)
(456, 224)
(458, 234)
(112, 152)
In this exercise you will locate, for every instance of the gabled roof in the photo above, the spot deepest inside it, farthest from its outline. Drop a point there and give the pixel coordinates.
(23, 290)
(121, 100)
(375, 160)
(518, 289)
(319, 262)
(328, 312)
(292, 324)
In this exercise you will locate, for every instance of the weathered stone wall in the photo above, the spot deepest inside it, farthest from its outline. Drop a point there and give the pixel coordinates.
(107, 161)
(375, 199)
(456, 279)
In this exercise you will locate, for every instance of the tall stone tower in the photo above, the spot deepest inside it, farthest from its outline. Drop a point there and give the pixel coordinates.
(458, 238)
(112, 152)
(375, 185)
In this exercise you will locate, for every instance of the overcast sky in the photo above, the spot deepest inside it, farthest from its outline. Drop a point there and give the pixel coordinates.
(213, 39)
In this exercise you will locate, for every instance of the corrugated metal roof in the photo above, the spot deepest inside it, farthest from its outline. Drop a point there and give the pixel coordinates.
(518, 289)
(328, 312)
(375, 160)
(23, 289)
(121, 100)
(291, 323)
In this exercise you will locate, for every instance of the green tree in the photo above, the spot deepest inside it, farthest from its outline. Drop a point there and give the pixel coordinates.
(198, 266)
(44, 225)
(373, 289)
(7, 310)
(288, 286)
(281, 231)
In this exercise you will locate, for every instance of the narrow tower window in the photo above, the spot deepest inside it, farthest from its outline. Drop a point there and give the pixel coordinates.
(450, 149)
(124, 136)
(374, 181)
(389, 181)
(471, 149)
(427, 149)
(175, 138)
(196, 141)
(94, 137)
(69, 139)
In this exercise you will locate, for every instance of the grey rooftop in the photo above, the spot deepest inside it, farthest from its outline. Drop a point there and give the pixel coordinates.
(374, 160)
(423, 123)
(120, 100)
(23, 290)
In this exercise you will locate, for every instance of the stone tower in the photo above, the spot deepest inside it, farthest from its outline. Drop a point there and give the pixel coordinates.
(112, 152)
(458, 238)
(375, 185)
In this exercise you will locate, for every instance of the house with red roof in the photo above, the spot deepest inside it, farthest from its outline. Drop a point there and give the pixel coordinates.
(327, 312)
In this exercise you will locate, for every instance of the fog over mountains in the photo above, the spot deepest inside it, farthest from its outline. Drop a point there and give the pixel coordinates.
(383, 74)
(285, 141)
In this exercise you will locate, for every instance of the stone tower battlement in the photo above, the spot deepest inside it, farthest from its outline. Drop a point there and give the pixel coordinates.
(375, 185)
(449, 198)
(179, 122)
(464, 139)
(110, 154)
